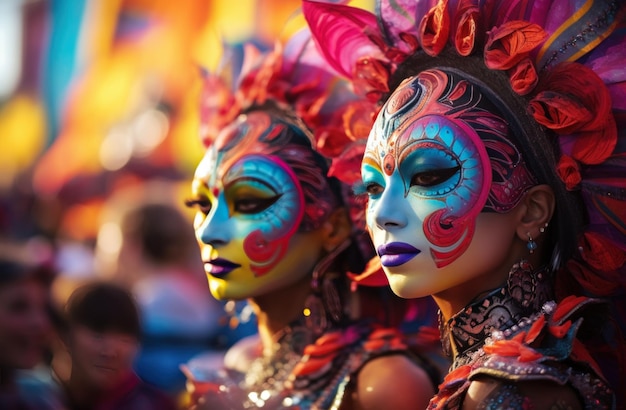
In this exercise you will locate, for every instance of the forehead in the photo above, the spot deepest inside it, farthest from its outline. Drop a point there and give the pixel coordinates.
(438, 92)
(417, 96)
(258, 133)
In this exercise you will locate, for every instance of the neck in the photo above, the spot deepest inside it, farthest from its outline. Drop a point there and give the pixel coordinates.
(449, 307)
(277, 309)
(79, 391)
(522, 296)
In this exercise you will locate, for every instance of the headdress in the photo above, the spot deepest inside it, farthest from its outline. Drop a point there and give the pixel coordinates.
(294, 78)
(562, 62)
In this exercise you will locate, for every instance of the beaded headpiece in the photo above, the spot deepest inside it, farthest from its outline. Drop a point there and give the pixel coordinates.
(295, 79)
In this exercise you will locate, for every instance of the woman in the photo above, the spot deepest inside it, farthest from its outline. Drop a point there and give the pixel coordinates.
(25, 326)
(495, 184)
(274, 228)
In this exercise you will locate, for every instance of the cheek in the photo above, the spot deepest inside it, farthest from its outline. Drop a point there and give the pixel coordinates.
(127, 353)
(267, 239)
(83, 349)
(422, 208)
(10, 324)
(301, 254)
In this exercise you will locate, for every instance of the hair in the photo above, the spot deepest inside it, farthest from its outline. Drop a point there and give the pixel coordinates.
(538, 146)
(103, 307)
(17, 263)
(162, 231)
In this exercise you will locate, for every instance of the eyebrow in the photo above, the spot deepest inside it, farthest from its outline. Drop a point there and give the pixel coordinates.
(253, 179)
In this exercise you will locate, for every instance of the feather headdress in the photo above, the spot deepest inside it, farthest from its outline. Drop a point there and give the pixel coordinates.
(297, 79)
(565, 65)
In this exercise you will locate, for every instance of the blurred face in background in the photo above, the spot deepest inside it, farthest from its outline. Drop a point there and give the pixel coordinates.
(24, 323)
(101, 359)
(254, 226)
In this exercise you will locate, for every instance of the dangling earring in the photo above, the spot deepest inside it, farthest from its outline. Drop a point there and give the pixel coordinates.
(531, 244)
(324, 300)
(522, 283)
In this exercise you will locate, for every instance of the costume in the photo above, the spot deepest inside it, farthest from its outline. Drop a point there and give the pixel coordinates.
(517, 333)
(286, 108)
(541, 84)
(299, 374)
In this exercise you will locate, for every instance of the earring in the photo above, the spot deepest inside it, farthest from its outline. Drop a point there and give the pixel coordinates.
(543, 228)
(324, 302)
(522, 283)
(531, 244)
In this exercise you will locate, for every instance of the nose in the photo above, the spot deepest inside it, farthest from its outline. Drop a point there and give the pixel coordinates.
(390, 210)
(109, 347)
(215, 230)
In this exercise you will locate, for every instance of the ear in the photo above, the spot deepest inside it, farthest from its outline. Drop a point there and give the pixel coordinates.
(336, 229)
(535, 212)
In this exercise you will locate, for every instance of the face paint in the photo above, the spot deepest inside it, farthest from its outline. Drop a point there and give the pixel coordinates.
(430, 168)
(250, 207)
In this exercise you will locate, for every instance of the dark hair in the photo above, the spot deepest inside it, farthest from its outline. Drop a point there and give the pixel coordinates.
(537, 145)
(162, 231)
(102, 307)
(17, 263)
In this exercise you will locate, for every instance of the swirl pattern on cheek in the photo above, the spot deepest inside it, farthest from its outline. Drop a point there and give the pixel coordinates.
(266, 245)
(450, 229)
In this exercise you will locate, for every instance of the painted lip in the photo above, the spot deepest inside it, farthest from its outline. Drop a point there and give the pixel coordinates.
(396, 253)
(220, 267)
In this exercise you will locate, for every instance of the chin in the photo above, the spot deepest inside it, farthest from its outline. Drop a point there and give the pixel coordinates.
(405, 287)
(223, 291)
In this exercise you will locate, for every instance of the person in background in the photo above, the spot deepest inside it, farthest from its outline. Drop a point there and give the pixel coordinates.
(275, 226)
(102, 333)
(179, 318)
(495, 180)
(25, 329)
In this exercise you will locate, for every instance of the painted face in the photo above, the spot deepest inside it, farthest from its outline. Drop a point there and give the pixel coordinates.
(254, 225)
(24, 324)
(438, 165)
(102, 359)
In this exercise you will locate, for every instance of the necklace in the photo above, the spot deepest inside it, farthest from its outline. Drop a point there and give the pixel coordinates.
(523, 295)
(267, 375)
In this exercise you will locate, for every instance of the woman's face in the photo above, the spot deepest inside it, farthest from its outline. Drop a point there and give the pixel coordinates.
(251, 206)
(101, 360)
(24, 323)
(437, 209)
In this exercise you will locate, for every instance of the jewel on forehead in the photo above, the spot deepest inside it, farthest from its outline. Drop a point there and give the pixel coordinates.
(389, 163)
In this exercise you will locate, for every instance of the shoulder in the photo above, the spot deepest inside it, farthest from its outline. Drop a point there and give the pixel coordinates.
(486, 392)
(392, 381)
(241, 355)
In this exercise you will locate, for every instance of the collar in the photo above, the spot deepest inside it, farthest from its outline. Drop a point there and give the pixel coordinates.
(523, 294)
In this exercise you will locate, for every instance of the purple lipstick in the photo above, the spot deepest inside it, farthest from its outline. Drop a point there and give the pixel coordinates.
(220, 267)
(396, 253)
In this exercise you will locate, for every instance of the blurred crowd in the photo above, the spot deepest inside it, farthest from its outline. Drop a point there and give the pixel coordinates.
(76, 338)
